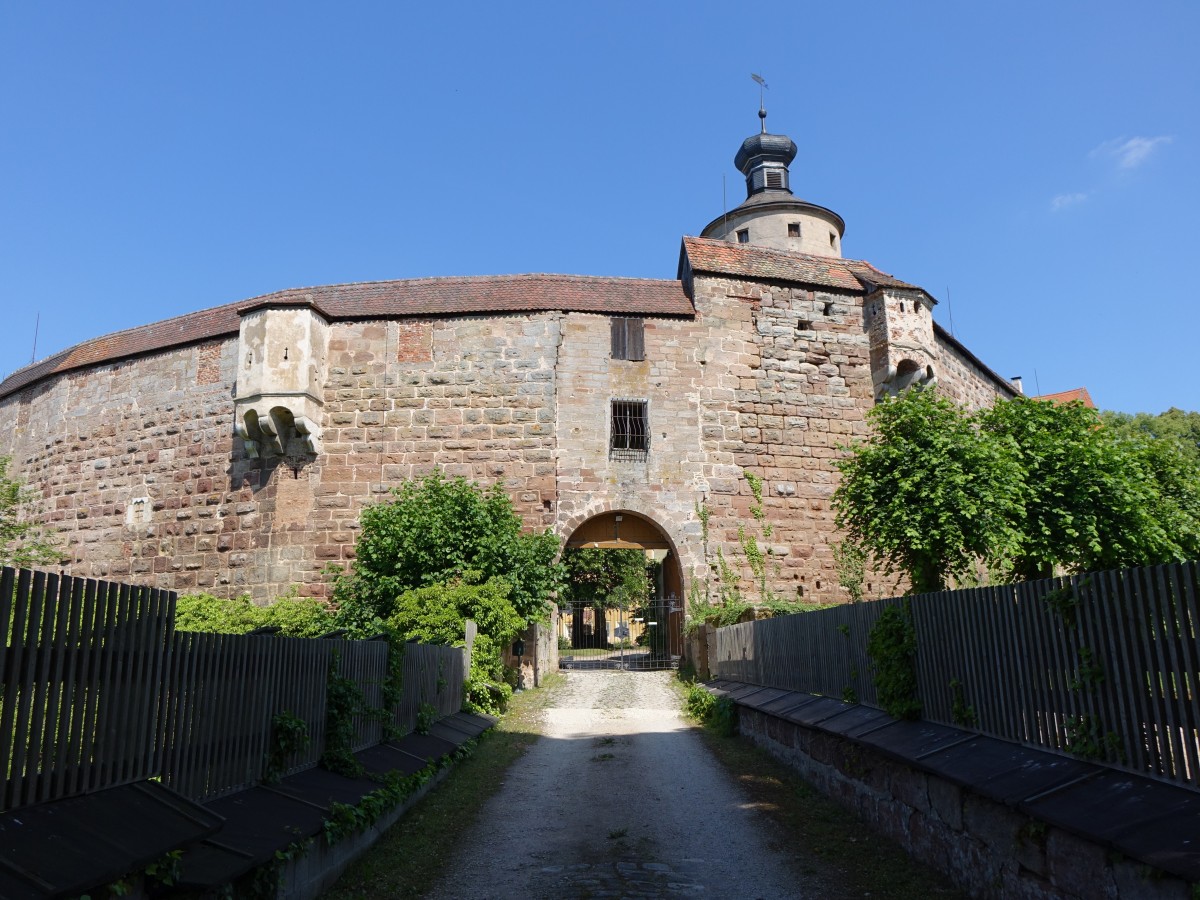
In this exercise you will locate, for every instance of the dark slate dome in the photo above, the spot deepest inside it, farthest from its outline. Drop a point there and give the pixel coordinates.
(778, 148)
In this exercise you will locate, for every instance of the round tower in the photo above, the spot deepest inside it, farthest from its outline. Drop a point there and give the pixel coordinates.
(772, 216)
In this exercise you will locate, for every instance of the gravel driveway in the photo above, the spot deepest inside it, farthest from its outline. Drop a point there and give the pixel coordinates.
(619, 798)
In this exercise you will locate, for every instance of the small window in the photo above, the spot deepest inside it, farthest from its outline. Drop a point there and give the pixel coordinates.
(828, 308)
(793, 229)
(630, 437)
(774, 179)
(832, 240)
(743, 236)
(628, 338)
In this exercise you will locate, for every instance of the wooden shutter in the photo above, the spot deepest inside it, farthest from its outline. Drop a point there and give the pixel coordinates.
(635, 339)
(618, 338)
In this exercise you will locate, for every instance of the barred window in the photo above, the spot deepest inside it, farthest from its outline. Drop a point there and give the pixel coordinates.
(630, 439)
(628, 338)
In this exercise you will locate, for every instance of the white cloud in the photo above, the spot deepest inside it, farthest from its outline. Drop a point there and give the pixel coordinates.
(1130, 153)
(1062, 201)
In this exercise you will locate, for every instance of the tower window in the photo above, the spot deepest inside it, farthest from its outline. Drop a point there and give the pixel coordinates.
(832, 240)
(630, 435)
(774, 179)
(793, 229)
(743, 236)
(628, 338)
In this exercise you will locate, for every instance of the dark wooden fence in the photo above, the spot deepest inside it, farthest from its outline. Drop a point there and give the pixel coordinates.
(1105, 665)
(99, 690)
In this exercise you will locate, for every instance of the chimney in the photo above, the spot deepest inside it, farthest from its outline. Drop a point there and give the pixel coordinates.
(1016, 382)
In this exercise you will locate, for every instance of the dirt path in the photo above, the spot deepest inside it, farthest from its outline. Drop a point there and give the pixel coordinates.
(619, 798)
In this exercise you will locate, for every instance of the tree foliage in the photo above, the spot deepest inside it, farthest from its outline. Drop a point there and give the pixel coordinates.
(436, 614)
(1175, 425)
(1023, 487)
(606, 578)
(1091, 497)
(437, 531)
(927, 493)
(23, 542)
(603, 579)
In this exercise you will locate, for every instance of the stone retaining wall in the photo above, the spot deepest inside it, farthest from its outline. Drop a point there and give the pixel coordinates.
(984, 846)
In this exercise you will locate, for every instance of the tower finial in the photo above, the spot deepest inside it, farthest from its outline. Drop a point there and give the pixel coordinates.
(762, 110)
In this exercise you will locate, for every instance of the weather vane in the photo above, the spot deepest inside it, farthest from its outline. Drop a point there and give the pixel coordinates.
(762, 111)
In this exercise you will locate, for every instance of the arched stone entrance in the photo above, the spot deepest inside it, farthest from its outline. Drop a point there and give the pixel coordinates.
(628, 530)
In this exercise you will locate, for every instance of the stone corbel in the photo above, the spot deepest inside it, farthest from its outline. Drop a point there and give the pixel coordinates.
(277, 426)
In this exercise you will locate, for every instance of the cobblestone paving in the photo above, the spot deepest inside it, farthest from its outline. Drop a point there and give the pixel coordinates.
(619, 798)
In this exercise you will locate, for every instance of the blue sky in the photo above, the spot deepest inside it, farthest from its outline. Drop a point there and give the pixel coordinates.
(1034, 166)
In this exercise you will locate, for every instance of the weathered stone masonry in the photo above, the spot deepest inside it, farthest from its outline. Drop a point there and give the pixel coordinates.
(233, 449)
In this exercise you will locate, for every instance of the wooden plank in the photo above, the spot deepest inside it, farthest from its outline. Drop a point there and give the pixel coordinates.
(1168, 664)
(165, 616)
(35, 736)
(1028, 672)
(20, 774)
(52, 741)
(14, 675)
(1181, 652)
(1119, 683)
(1134, 638)
(67, 751)
(974, 664)
(1036, 619)
(84, 712)
(1189, 608)
(138, 628)
(118, 703)
(1144, 640)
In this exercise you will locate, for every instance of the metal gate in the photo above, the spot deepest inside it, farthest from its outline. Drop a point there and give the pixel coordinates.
(597, 637)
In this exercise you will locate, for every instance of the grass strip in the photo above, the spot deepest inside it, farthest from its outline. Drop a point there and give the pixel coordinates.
(410, 858)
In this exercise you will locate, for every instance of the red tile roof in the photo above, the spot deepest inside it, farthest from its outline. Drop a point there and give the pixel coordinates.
(1081, 394)
(380, 299)
(747, 260)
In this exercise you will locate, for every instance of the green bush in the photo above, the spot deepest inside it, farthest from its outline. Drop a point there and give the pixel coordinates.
(717, 713)
(294, 616)
(892, 646)
(441, 531)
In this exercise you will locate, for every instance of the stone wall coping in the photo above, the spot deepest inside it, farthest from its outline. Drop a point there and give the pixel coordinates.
(1151, 821)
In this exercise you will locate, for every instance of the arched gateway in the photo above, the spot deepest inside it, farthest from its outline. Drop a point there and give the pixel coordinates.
(607, 633)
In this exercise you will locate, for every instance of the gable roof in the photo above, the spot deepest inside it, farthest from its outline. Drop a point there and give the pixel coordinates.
(750, 261)
(1081, 394)
(481, 295)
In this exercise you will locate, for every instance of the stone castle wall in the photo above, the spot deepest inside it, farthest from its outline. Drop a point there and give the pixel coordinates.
(139, 467)
(789, 381)
(963, 380)
(132, 461)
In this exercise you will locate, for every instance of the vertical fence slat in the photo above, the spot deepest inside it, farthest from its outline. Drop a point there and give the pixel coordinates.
(1119, 658)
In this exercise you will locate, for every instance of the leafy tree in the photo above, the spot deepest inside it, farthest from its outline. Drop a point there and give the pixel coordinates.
(928, 494)
(1079, 503)
(436, 531)
(603, 579)
(1026, 486)
(1174, 505)
(1174, 424)
(23, 542)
